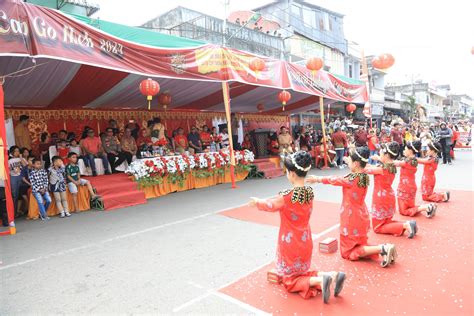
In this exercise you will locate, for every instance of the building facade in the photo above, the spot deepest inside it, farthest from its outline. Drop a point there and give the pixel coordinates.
(310, 30)
(192, 24)
(428, 96)
(459, 106)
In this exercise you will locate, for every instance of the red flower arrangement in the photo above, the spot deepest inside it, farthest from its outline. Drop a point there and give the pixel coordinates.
(161, 142)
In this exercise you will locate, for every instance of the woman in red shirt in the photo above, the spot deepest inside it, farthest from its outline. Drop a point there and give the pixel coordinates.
(205, 137)
(354, 216)
(181, 141)
(295, 244)
(247, 144)
(428, 181)
(406, 192)
(384, 203)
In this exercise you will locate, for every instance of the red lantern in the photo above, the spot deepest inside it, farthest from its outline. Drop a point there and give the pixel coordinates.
(257, 65)
(351, 108)
(284, 97)
(164, 99)
(383, 61)
(314, 64)
(260, 107)
(149, 88)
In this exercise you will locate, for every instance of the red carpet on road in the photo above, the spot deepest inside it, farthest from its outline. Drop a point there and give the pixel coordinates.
(117, 191)
(432, 276)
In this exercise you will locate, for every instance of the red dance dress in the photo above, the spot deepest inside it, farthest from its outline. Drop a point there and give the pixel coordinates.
(384, 203)
(354, 216)
(295, 245)
(428, 181)
(406, 192)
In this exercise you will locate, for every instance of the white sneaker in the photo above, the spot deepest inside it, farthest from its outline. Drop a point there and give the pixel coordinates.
(67, 214)
(62, 214)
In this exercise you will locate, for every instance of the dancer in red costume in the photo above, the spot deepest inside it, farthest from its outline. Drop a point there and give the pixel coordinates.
(355, 221)
(428, 181)
(295, 244)
(406, 192)
(384, 203)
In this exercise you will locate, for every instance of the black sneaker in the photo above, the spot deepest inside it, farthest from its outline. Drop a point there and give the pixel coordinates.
(94, 174)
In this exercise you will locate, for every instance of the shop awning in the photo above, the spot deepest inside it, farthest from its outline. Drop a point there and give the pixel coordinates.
(77, 63)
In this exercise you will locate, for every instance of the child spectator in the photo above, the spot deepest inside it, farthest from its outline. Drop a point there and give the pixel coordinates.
(25, 184)
(75, 148)
(247, 144)
(16, 163)
(63, 150)
(39, 187)
(57, 185)
(44, 149)
(74, 179)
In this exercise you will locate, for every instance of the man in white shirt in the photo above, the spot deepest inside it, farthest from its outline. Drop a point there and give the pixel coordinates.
(225, 138)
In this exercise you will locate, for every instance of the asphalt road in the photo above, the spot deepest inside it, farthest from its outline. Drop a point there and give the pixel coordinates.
(166, 257)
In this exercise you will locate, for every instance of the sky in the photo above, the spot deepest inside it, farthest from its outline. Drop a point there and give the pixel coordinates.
(430, 40)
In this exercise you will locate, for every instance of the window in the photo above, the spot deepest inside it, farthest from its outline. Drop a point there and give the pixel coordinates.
(326, 21)
(296, 10)
(309, 17)
(350, 71)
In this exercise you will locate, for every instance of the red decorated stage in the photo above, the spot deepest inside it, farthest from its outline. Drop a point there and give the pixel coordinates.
(65, 73)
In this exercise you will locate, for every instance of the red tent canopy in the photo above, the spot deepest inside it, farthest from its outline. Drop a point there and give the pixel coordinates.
(71, 65)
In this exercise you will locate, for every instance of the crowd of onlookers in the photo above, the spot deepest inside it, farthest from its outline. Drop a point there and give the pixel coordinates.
(341, 135)
(45, 174)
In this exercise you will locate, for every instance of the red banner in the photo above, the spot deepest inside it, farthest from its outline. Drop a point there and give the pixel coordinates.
(29, 30)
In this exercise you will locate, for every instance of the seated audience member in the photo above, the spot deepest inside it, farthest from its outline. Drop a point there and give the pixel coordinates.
(329, 152)
(194, 141)
(273, 147)
(114, 126)
(75, 148)
(63, 150)
(144, 142)
(247, 143)
(113, 150)
(43, 148)
(134, 128)
(70, 136)
(205, 137)
(129, 146)
(25, 153)
(54, 138)
(16, 163)
(39, 188)
(84, 132)
(224, 138)
(92, 148)
(73, 179)
(62, 135)
(180, 141)
(25, 185)
(57, 185)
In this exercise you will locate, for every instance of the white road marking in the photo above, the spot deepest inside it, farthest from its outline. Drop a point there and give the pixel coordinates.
(235, 301)
(119, 237)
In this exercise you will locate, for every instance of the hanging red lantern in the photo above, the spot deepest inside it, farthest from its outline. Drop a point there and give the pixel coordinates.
(284, 96)
(164, 99)
(260, 107)
(257, 64)
(314, 64)
(351, 108)
(383, 61)
(149, 88)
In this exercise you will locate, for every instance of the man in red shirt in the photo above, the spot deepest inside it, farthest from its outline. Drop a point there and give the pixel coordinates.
(339, 141)
(360, 137)
(397, 136)
(92, 147)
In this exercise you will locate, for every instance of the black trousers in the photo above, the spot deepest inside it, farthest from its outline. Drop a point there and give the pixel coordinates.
(128, 156)
(115, 162)
(446, 152)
